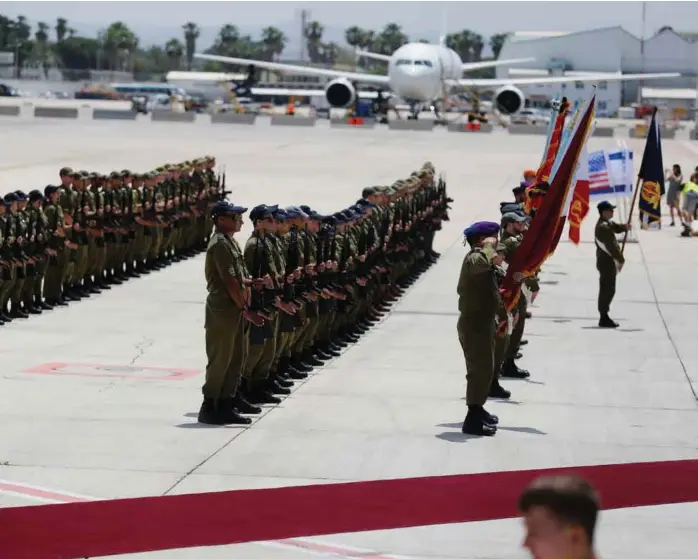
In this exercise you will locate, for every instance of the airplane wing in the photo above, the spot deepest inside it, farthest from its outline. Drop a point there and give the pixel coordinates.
(286, 92)
(561, 79)
(293, 69)
(375, 55)
(470, 66)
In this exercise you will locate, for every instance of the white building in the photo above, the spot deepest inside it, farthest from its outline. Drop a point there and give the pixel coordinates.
(606, 50)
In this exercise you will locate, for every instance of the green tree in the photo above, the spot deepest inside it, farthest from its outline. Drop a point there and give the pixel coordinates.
(120, 46)
(61, 29)
(42, 49)
(313, 40)
(191, 34)
(272, 43)
(353, 36)
(391, 38)
(497, 42)
(174, 50)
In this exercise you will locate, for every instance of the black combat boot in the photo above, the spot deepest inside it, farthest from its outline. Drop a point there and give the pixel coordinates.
(475, 424)
(241, 404)
(209, 413)
(606, 322)
(310, 359)
(260, 395)
(498, 391)
(275, 388)
(17, 312)
(511, 370)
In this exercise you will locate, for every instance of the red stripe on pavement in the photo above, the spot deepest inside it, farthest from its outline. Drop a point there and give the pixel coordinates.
(343, 551)
(97, 529)
(40, 493)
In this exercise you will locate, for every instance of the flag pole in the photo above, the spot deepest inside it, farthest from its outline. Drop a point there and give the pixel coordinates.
(630, 214)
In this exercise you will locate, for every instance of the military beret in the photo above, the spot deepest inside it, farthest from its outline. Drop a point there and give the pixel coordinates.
(481, 229)
(279, 214)
(65, 171)
(126, 173)
(294, 211)
(368, 191)
(520, 189)
(50, 189)
(329, 220)
(506, 207)
(114, 175)
(35, 195)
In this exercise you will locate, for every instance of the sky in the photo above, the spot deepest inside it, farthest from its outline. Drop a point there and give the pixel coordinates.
(156, 22)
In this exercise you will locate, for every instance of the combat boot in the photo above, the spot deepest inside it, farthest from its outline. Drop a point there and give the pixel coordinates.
(298, 364)
(17, 312)
(498, 391)
(30, 308)
(5, 313)
(474, 423)
(240, 404)
(44, 305)
(489, 418)
(262, 396)
(276, 389)
(606, 322)
(511, 370)
(209, 413)
(309, 359)
(282, 380)
(231, 416)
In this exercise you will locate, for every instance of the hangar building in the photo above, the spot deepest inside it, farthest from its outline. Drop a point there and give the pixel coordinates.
(606, 50)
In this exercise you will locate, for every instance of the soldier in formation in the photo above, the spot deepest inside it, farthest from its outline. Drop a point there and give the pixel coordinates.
(95, 231)
(304, 285)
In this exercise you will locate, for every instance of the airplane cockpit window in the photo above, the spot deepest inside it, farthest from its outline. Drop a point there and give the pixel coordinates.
(403, 62)
(423, 63)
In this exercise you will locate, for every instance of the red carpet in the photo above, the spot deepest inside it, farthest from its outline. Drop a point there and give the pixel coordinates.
(97, 529)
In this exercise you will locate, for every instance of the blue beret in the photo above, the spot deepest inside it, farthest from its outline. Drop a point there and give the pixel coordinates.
(340, 218)
(510, 207)
(21, 196)
(279, 214)
(10, 197)
(329, 220)
(306, 209)
(482, 229)
(35, 195)
(50, 189)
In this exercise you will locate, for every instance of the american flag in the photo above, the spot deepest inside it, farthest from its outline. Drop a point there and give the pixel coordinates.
(598, 172)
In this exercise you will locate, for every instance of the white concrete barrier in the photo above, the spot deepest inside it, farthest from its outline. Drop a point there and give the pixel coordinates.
(233, 118)
(55, 112)
(528, 130)
(287, 120)
(417, 125)
(367, 123)
(9, 110)
(484, 128)
(604, 131)
(108, 114)
(169, 116)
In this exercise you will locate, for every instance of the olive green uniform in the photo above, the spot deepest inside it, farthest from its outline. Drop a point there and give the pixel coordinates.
(478, 304)
(608, 257)
(226, 339)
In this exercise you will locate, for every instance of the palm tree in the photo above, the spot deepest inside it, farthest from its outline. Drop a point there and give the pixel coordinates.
(174, 50)
(120, 44)
(61, 29)
(273, 42)
(497, 42)
(392, 38)
(191, 34)
(353, 36)
(41, 48)
(313, 36)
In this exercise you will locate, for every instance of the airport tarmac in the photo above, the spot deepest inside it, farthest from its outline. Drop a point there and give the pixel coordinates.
(98, 400)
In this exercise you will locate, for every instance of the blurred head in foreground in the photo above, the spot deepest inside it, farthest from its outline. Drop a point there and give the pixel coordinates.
(560, 515)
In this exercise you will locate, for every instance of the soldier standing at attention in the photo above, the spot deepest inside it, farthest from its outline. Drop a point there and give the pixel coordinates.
(58, 246)
(609, 260)
(228, 283)
(478, 304)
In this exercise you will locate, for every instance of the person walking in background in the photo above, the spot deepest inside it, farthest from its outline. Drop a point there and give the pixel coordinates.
(674, 178)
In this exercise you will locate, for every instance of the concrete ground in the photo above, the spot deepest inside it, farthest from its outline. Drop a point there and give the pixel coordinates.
(101, 424)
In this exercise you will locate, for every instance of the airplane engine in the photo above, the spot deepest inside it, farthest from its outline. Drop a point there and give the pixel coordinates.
(340, 93)
(509, 100)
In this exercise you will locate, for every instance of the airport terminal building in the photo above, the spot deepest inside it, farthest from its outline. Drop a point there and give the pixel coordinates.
(607, 50)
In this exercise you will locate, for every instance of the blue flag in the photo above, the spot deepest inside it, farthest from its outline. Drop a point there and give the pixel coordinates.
(652, 176)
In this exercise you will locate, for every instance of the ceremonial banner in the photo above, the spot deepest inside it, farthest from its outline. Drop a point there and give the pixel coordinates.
(652, 176)
(580, 202)
(553, 145)
(545, 226)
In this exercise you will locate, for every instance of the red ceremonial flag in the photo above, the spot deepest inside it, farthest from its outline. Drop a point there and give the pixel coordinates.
(546, 226)
(580, 203)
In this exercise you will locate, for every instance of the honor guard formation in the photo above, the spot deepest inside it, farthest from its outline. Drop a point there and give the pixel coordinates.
(93, 231)
(305, 285)
(492, 337)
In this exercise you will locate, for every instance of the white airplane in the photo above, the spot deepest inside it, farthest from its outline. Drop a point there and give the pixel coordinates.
(419, 73)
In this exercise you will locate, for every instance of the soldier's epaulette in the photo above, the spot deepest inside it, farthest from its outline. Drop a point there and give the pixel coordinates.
(217, 238)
